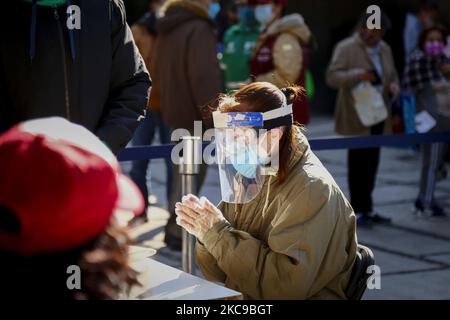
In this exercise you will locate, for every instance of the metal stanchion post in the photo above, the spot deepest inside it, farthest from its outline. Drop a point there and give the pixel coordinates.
(189, 168)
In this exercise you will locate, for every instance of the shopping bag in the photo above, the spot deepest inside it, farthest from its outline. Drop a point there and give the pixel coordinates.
(369, 104)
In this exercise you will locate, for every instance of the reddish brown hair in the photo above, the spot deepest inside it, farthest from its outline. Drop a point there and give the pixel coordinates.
(263, 97)
(105, 270)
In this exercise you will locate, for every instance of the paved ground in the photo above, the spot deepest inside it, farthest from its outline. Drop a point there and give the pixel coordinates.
(413, 253)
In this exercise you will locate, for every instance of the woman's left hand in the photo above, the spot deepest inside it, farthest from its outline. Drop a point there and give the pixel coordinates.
(197, 216)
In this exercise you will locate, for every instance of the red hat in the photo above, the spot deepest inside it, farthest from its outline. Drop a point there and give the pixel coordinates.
(61, 184)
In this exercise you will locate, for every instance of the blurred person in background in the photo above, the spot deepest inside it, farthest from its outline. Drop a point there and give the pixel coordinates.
(83, 66)
(427, 76)
(227, 17)
(281, 55)
(239, 42)
(63, 242)
(447, 48)
(427, 16)
(144, 33)
(363, 58)
(188, 78)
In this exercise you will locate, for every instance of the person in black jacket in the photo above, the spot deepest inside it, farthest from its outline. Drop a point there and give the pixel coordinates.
(72, 58)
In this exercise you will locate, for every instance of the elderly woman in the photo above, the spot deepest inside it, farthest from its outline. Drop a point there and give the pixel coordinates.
(364, 60)
(284, 229)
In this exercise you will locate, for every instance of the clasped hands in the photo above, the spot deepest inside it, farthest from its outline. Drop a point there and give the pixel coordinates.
(197, 216)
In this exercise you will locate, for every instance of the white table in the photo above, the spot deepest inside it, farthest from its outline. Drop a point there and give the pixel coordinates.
(161, 282)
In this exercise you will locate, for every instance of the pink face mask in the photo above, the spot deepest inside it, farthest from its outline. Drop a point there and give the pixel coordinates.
(434, 48)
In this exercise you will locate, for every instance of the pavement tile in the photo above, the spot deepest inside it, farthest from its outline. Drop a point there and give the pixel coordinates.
(442, 258)
(420, 285)
(402, 216)
(392, 263)
(402, 242)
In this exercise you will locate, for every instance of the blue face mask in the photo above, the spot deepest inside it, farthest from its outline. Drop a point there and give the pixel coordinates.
(213, 10)
(247, 162)
(247, 16)
(264, 14)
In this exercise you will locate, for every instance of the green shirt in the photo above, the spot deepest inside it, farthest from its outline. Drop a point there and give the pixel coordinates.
(49, 3)
(239, 43)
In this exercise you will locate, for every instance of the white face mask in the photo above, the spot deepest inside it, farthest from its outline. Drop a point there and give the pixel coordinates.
(264, 13)
(158, 13)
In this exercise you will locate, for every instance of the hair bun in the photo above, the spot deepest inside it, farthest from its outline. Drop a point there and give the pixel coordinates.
(291, 93)
(288, 92)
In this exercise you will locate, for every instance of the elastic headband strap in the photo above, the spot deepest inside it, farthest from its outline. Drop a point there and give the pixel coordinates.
(278, 122)
(270, 119)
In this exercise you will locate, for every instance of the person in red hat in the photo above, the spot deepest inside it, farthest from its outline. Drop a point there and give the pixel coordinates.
(281, 54)
(59, 190)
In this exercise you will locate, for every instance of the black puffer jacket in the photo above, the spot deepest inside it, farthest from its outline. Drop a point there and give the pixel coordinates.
(104, 86)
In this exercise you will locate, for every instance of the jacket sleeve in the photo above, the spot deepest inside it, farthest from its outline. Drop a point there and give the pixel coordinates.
(129, 85)
(288, 61)
(287, 266)
(208, 264)
(339, 73)
(204, 75)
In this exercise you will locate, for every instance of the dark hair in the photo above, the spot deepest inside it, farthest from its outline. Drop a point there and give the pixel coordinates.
(424, 34)
(263, 97)
(105, 272)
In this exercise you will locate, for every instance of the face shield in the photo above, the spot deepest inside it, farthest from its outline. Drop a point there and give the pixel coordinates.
(247, 150)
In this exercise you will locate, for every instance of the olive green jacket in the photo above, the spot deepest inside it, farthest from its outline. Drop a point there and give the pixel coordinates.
(295, 240)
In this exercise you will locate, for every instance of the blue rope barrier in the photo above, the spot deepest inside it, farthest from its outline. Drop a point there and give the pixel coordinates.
(393, 140)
